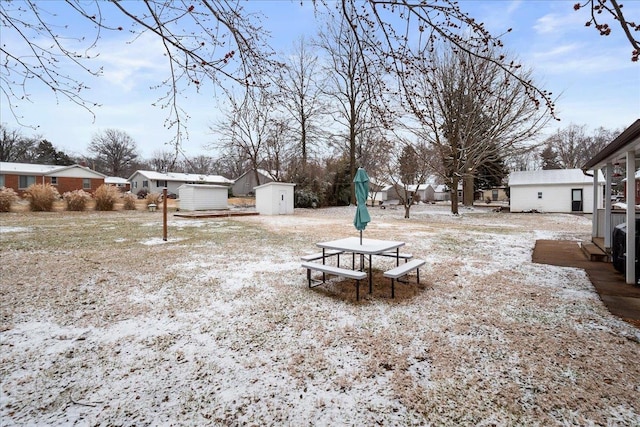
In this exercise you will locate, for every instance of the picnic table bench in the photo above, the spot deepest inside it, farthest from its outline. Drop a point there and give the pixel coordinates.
(335, 271)
(402, 270)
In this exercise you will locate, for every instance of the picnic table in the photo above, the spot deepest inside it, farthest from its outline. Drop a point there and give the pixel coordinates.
(366, 247)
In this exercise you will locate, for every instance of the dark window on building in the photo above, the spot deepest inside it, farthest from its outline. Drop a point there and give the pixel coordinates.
(25, 181)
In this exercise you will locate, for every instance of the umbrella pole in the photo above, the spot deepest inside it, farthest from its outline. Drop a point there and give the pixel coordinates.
(360, 237)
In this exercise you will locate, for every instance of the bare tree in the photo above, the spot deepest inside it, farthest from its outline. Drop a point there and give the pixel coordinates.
(602, 11)
(571, 147)
(279, 150)
(409, 169)
(301, 89)
(349, 90)
(473, 113)
(163, 161)
(246, 128)
(213, 41)
(201, 164)
(230, 163)
(203, 41)
(374, 151)
(115, 152)
(14, 147)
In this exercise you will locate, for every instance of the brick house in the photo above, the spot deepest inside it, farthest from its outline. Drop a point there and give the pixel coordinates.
(20, 176)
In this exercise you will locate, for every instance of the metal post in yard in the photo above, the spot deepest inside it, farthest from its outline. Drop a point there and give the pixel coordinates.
(164, 214)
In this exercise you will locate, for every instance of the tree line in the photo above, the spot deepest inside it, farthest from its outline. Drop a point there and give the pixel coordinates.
(404, 89)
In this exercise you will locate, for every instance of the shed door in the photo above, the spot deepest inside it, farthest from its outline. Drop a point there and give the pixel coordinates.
(576, 200)
(282, 203)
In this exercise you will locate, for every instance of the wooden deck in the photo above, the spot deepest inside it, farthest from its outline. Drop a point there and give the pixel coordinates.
(214, 214)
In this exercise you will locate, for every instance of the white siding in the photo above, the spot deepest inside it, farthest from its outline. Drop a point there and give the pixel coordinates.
(199, 197)
(551, 190)
(275, 198)
(554, 198)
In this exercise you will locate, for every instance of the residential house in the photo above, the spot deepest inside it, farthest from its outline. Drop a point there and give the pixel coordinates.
(244, 185)
(120, 183)
(424, 192)
(19, 176)
(441, 193)
(155, 182)
(625, 148)
(555, 190)
(495, 194)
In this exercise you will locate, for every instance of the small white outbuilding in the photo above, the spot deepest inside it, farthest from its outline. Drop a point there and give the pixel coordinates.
(202, 197)
(554, 190)
(274, 198)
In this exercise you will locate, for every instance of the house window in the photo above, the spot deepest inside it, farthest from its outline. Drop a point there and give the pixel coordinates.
(86, 183)
(1, 180)
(145, 184)
(135, 184)
(494, 194)
(54, 180)
(161, 183)
(539, 194)
(25, 181)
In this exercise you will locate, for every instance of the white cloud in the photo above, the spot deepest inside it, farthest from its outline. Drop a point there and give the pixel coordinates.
(131, 64)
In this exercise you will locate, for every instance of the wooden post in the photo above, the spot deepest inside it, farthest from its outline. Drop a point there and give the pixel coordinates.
(164, 214)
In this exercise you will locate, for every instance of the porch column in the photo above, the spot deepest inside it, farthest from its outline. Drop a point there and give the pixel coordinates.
(594, 205)
(607, 207)
(631, 218)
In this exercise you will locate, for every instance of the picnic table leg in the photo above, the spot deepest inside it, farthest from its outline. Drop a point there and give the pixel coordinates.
(397, 257)
(370, 276)
(323, 258)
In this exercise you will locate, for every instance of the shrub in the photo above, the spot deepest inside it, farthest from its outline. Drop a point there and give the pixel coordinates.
(106, 196)
(41, 197)
(129, 202)
(306, 199)
(7, 198)
(76, 200)
(142, 193)
(154, 198)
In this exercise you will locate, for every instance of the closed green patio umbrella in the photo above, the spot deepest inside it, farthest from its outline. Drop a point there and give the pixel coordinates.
(362, 217)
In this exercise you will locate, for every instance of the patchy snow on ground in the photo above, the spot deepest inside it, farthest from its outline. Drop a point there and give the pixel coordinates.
(217, 326)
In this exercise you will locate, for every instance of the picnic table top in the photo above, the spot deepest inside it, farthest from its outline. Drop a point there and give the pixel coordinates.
(368, 246)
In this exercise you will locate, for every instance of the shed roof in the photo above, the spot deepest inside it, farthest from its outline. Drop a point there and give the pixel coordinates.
(552, 177)
(183, 177)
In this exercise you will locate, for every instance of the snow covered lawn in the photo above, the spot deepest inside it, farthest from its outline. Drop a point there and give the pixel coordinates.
(104, 323)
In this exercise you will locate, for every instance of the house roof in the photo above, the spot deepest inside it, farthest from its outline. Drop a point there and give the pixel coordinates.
(37, 169)
(552, 176)
(262, 172)
(629, 140)
(182, 177)
(115, 180)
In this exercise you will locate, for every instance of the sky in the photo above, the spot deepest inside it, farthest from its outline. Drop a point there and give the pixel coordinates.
(593, 77)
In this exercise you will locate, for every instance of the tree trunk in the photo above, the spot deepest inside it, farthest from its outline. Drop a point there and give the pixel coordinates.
(467, 191)
(454, 195)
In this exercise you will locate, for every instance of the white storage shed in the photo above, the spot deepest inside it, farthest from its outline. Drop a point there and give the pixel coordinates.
(202, 197)
(274, 198)
(554, 190)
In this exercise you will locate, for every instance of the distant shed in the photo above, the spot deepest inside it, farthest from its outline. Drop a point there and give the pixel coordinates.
(274, 198)
(555, 190)
(202, 197)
